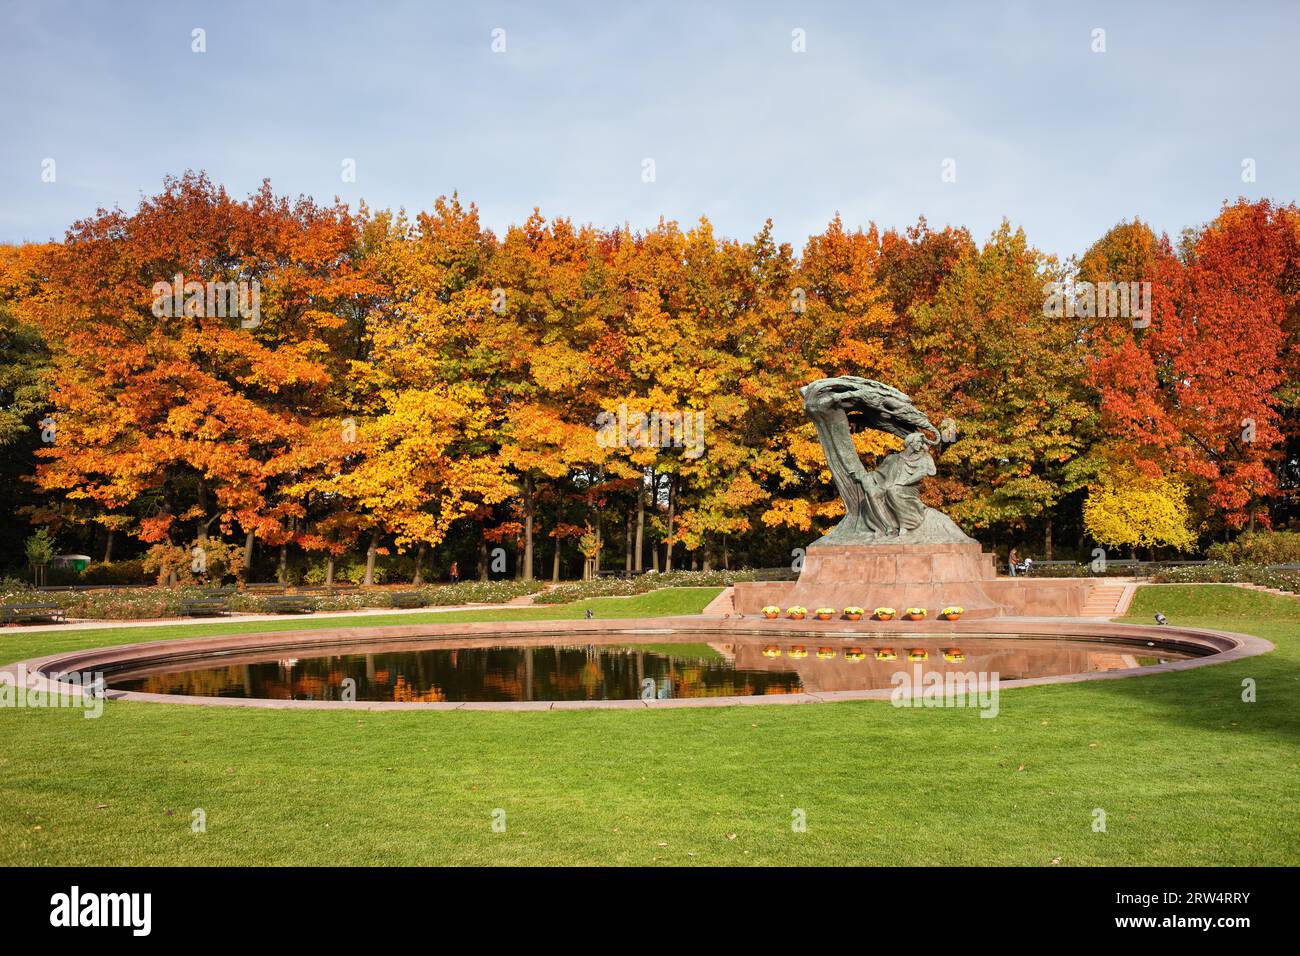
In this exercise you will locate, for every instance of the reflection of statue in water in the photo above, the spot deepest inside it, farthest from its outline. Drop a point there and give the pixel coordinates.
(881, 506)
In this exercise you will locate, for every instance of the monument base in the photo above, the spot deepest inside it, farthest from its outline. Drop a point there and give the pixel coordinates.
(931, 576)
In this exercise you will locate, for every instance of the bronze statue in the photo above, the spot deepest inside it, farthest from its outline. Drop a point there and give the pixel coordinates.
(881, 506)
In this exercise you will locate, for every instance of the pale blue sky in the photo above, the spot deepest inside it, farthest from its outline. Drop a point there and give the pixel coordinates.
(1059, 139)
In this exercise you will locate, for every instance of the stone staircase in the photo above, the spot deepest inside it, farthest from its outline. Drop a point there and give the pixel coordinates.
(724, 603)
(1105, 600)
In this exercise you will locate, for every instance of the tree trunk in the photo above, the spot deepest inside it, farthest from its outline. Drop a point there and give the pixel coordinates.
(329, 568)
(639, 563)
(528, 528)
(370, 557)
(672, 507)
(248, 552)
(281, 573)
(1047, 539)
(201, 532)
(629, 540)
(482, 558)
(418, 578)
(108, 547)
(555, 562)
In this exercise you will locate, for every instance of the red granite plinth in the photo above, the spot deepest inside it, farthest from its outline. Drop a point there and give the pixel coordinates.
(932, 576)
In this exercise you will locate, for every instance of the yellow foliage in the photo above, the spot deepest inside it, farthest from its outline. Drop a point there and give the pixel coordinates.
(1127, 508)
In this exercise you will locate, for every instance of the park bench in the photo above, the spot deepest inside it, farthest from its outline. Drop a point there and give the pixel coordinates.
(290, 604)
(264, 588)
(407, 599)
(203, 606)
(49, 613)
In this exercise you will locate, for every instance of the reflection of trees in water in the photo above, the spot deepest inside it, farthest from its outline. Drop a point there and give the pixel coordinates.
(588, 672)
(405, 693)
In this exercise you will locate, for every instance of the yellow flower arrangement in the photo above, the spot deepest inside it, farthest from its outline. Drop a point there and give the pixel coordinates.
(853, 613)
(884, 614)
(771, 612)
(796, 613)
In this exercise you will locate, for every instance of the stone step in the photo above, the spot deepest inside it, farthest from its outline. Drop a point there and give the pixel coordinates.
(1103, 600)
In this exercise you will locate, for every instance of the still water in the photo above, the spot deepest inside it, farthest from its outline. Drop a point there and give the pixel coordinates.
(563, 671)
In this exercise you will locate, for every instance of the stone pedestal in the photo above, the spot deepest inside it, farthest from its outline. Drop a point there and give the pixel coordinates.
(932, 576)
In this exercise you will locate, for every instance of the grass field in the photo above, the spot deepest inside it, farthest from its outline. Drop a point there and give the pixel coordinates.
(1186, 772)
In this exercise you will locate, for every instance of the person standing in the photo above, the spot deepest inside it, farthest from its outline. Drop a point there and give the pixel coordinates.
(455, 573)
(1012, 558)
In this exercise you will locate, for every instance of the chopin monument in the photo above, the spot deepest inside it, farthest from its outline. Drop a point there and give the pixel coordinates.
(881, 506)
(890, 549)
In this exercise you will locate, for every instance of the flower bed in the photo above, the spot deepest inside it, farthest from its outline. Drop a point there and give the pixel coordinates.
(1220, 573)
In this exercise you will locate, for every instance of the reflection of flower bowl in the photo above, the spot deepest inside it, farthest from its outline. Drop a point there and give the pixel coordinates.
(954, 655)
(771, 651)
(853, 654)
(825, 653)
(886, 654)
(853, 613)
(884, 614)
(825, 613)
(951, 613)
(797, 613)
(798, 652)
(918, 654)
(914, 614)
(771, 612)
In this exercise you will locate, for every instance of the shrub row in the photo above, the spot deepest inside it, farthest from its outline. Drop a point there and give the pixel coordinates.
(1220, 573)
(1258, 547)
(133, 604)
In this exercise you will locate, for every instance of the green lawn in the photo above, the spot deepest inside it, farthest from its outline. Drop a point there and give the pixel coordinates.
(1186, 772)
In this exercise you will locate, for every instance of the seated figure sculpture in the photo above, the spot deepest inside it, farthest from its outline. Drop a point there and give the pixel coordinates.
(890, 496)
(881, 506)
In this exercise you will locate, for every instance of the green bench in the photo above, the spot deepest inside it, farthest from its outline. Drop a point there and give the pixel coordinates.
(290, 604)
(407, 599)
(204, 606)
(47, 613)
(264, 588)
